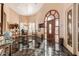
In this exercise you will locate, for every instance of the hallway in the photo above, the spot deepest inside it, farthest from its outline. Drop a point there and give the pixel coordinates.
(39, 29)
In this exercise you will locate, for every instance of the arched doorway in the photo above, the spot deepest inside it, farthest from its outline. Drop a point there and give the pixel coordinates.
(52, 27)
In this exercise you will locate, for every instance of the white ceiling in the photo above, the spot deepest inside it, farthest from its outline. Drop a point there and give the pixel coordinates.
(25, 8)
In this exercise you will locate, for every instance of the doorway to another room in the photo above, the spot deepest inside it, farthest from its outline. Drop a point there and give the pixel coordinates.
(52, 31)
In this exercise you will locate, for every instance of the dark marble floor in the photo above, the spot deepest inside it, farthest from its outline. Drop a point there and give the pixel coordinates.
(24, 52)
(31, 51)
(28, 52)
(34, 52)
(52, 50)
(57, 51)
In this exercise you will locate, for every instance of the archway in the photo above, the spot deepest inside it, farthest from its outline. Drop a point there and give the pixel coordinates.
(52, 28)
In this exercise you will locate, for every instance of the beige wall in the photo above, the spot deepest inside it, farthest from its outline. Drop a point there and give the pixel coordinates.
(11, 16)
(24, 19)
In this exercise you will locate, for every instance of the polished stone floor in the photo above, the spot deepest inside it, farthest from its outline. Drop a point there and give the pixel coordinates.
(51, 51)
(57, 50)
(44, 50)
(31, 50)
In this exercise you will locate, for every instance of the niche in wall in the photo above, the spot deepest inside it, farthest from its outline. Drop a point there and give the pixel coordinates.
(69, 27)
(41, 25)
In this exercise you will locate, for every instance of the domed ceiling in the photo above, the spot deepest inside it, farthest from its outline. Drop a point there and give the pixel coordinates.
(25, 8)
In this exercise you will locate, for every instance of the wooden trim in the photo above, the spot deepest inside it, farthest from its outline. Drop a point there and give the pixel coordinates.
(2, 5)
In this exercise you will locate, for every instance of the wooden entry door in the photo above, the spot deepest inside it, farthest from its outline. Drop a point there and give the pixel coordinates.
(51, 31)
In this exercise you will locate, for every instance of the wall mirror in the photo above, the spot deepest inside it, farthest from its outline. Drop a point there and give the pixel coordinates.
(69, 27)
(78, 27)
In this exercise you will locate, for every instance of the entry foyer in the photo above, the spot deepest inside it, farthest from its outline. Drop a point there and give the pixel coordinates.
(39, 29)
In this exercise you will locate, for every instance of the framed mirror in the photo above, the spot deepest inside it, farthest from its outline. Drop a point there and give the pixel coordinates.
(69, 27)
(78, 27)
(0, 19)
